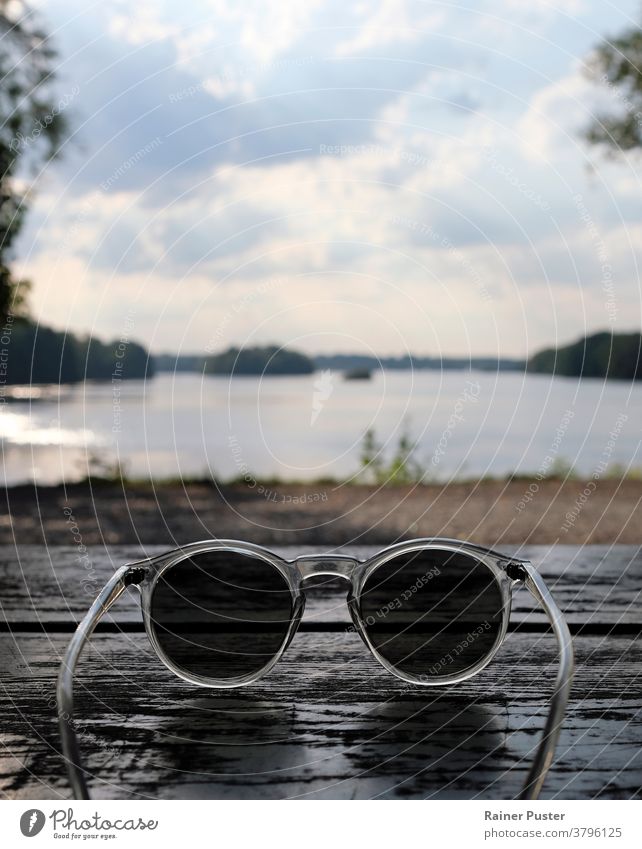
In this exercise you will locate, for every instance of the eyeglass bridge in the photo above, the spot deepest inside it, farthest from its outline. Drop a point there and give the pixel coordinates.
(335, 565)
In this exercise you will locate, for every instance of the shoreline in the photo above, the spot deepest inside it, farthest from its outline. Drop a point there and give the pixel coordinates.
(489, 511)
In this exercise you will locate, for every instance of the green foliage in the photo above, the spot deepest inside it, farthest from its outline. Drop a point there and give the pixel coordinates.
(560, 469)
(618, 471)
(259, 361)
(31, 128)
(617, 63)
(401, 469)
(102, 470)
(601, 355)
(371, 460)
(177, 363)
(38, 354)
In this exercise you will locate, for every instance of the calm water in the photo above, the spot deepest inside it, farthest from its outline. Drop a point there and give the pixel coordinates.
(465, 424)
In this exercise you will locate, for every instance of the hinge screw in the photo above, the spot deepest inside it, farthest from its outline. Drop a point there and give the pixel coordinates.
(515, 571)
(135, 576)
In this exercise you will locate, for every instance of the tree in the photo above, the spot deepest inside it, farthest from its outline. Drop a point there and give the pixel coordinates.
(605, 354)
(31, 128)
(43, 355)
(617, 64)
(259, 361)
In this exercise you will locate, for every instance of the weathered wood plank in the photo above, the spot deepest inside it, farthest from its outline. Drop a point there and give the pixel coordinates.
(595, 585)
(328, 722)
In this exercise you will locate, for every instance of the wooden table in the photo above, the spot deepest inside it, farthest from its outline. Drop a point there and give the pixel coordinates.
(328, 722)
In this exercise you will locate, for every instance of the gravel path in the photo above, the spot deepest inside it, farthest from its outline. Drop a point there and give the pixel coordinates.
(489, 512)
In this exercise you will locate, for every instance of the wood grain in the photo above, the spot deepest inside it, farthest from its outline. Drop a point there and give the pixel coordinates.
(594, 585)
(328, 722)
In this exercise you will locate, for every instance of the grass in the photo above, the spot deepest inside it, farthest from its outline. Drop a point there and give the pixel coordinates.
(400, 470)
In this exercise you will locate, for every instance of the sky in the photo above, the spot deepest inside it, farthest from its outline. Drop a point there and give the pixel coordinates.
(379, 177)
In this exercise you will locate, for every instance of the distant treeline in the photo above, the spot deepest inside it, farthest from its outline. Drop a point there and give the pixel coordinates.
(600, 355)
(346, 362)
(179, 362)
(34, 353)
(273, 360)
(613, 355)
(270, 359)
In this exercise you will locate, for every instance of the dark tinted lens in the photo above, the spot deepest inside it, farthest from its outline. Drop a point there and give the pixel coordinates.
(220, 614)
(432, 613)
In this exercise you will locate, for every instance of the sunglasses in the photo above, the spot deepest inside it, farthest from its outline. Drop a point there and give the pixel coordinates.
(221, 613)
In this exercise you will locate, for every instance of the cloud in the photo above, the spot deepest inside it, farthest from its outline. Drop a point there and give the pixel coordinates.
(421, 163)
(558, 114)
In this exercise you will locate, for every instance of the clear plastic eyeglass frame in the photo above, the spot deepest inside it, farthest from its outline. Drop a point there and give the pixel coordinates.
(510, 573)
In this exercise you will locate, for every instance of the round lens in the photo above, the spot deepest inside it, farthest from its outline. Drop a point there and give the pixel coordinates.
(221, 615)
(432, 613)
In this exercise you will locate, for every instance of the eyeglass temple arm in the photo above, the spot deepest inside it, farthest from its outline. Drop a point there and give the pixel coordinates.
(536, 585)
(112, 590)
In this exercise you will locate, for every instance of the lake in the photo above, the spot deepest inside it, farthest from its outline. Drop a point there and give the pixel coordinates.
(465, 424)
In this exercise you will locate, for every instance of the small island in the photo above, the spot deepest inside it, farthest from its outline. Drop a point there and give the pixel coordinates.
(357, 374)
(268, 360)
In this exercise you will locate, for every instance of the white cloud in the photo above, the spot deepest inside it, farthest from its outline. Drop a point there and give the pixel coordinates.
(557, 114)
(140, 23)
(386, 22)
(414, 219)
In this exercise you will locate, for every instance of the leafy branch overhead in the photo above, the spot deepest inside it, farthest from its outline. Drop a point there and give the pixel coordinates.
(617, 65)
(32, 125)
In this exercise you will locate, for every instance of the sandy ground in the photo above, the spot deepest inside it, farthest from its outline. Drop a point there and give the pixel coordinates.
(488, 512)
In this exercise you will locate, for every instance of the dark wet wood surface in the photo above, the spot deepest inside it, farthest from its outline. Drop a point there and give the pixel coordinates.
(328, 721)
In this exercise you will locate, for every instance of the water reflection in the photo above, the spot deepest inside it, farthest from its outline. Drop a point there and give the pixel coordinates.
(187, 425)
